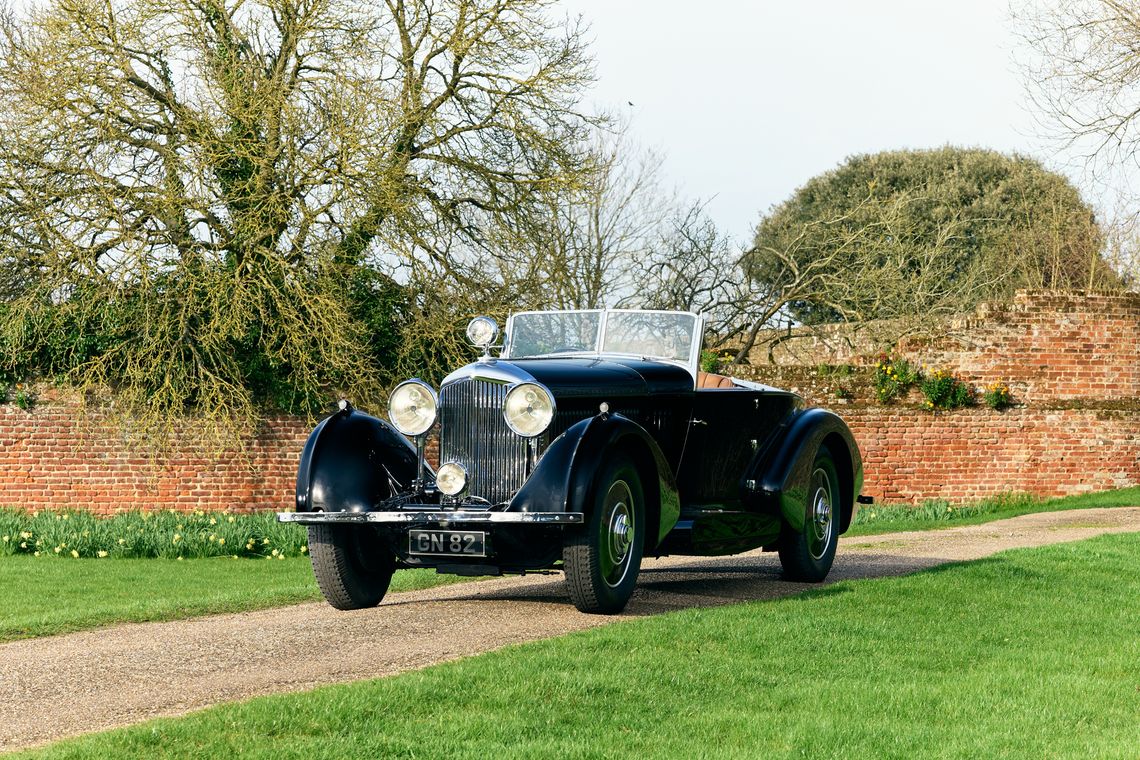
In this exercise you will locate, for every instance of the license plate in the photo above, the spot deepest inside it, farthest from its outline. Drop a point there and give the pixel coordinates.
(448, 543)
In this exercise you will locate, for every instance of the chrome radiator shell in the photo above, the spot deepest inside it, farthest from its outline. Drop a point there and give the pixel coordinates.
(474, 434)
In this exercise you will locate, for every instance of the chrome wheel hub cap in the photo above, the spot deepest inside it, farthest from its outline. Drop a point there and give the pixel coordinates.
(619, 533)
(821, 517)
(619, 530)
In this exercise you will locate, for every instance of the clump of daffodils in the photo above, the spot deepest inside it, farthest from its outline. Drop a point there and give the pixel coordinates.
(167, 534)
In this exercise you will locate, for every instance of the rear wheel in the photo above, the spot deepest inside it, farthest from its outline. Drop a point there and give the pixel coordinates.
(602, 561)
(807, 555)
(352, 563)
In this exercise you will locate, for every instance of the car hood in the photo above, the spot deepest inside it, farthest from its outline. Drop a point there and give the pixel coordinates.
(583, 377)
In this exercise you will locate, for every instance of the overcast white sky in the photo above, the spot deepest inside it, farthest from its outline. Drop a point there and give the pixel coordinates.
(748, 100)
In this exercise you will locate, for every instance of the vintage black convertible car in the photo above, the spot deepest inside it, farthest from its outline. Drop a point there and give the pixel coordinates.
(591, 441)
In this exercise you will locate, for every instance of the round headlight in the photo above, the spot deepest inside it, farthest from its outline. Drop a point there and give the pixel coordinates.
(451, 479)
(411, 408)
(482, 331)
(528, 409)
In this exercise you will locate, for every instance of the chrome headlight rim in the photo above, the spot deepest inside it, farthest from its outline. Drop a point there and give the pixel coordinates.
(451, 479)
(421, 428)
(482, 332)
(544, 417)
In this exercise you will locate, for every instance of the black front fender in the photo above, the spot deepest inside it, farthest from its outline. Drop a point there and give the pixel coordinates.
(351, 462)
(783, 475)
(565, 478)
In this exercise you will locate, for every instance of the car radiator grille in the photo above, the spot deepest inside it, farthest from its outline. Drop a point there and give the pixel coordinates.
(474, 434)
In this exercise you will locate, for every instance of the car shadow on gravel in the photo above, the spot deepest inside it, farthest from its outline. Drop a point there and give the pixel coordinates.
(702, 583)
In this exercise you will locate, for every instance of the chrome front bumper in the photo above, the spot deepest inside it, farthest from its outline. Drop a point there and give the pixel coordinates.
(442, 517)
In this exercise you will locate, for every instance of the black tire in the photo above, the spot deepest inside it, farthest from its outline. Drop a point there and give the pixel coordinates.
(352, 563)
(602, 560)
(807, 555)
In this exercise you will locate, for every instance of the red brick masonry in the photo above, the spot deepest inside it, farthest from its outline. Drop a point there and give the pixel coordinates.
(1047, 346)
(55, 456)
(1073, 362)
(911, 455)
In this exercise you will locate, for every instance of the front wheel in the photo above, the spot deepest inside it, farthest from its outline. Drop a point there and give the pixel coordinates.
(807, 555)
(353, 565)
(603, 560)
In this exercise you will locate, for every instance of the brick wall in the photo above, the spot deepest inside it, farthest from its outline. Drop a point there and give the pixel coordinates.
(1048, 346)
(1052, 345)
(59, 456)
(1073, 362)
(911, 455)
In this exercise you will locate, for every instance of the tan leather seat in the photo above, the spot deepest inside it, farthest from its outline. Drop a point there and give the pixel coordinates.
(709, 380)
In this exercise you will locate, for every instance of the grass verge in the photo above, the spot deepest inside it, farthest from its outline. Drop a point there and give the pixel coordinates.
(41, 597)
(167, 534)
(931, 515)
(1032, 653)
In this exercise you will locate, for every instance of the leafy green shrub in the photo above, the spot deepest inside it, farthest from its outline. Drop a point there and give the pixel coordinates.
(710, 361)
(998, 222)
(893, 378)
(944, 391)
(91, 333)
(834, 370)
(163, 534)
(23, 397)
(998, 396)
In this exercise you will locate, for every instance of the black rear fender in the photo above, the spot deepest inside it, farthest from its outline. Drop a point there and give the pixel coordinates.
(782, 473)
(352, 462)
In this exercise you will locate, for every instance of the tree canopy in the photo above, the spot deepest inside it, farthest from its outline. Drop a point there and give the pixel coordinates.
(920, 232)
(207, 203)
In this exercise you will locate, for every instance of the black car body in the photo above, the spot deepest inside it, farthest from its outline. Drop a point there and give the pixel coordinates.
(639, 453)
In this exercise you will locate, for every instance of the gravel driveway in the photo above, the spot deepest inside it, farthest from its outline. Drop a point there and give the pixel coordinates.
(66, 685)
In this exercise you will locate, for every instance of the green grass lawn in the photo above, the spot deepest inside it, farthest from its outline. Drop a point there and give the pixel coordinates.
(40, 596)
(56, 593)
(891, 518)
(1029, 654)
